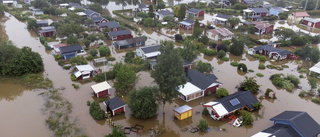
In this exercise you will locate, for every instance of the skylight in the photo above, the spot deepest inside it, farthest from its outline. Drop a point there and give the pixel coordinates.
(234, 102)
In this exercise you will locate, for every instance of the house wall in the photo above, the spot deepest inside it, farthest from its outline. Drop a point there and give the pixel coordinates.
(186, 27)
(201, 13)
(186, 114)
(122, 37)
(48, 34)
(211, 89)
(194, 96)
(69, 56)
(263, 14)
(102, 93)
(119, 110)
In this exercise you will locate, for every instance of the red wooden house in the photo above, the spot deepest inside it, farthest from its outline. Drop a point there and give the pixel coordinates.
(101, 89)
(119, 35)
(194, 13)
(311, 22)
(273, 53)
(262, 28)
(258, 13)
(47, 31)
(187, 24)
(115, 106)
(112, 26)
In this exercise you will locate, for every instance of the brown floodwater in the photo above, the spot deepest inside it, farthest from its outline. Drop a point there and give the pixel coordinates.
(164, 123)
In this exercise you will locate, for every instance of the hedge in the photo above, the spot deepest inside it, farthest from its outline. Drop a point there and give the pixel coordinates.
(117, 12)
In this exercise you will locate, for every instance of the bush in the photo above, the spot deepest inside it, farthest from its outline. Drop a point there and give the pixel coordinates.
(247, 117)
(42, 39)
(303, 70)
(89, 57)
(242, 67)
(312, 82)
(262, 66)
(129, 57)
(104, 51)
(96, 112)
(73, 77)
(221, 54)
(225, 59)
(316, 100)
(234, 64)
(256, 56)
(111, 59)
(118, 13)
(57, 57)
(88, 103)
(210, 52)
(222, 92)
(93, 52)
(302, 94)
(301, 76)
(263, 58)
(60, 63)
(76, 86)
(293, 79)
(257, 106)
(79, 60)
(259, 75)
(250, 70)
(204, 66)
(203, 125)
(205, 112)
(101, 77)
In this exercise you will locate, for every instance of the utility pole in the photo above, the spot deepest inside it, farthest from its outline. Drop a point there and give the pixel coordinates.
(305, 5)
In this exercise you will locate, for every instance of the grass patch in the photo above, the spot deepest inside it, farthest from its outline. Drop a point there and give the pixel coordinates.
(316, 100)
(234, 64)
(259, 75)
(36, 81)
(76, 86)
(225, 59)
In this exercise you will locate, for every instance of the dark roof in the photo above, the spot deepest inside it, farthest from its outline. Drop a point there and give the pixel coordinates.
(279, 9)
(141, 6)
(97, 18)
(281, 130)
(193, 10)
(119, 33)
(302, 122)
(74, 4)
(71, 48)
(189, 21)
(165, 13)
(47, 29)
(114, 103)
(122, 43)
(260, 10)
(149, 49)
(224, 16)
(256, 17)
(42, 22)
(200, 80)
(245, 98)
(111, 24)
(89, 12)
(272, 49)
(186, 63)
(136, 40)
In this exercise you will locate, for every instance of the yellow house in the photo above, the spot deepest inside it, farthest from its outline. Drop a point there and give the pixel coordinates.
(183, 112)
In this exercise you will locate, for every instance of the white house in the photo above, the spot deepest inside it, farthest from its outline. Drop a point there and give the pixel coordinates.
(219, 34)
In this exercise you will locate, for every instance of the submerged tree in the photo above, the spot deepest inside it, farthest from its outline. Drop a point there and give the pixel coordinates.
(116, 132)
(250, 84)
(168, 73)
(126, 78)
(189, 51)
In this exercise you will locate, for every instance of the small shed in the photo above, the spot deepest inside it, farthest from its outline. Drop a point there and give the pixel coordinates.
(101, 89)
(84, 71)
(183, 112)
(115, 105)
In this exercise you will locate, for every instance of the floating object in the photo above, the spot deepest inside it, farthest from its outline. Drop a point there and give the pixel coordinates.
(194, 130)
(237, 122)
(127, 130)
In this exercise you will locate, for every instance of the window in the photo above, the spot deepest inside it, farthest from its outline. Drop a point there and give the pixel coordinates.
(234, 102)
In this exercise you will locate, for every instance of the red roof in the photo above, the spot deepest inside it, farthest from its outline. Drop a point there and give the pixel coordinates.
(261, 25)
(300, 14)
(60, 45)
(222, 31)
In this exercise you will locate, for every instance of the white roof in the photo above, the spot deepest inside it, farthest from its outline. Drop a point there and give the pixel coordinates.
(315, 68)
(77, 74)
(64, 4)
(219, 108)
(84, 67)
(210, 103)
(152, 54)
(218, 18)
(262, 134)
(182, 109)
(81, 13)
(100, 87)
(247, 10)
(188, 89)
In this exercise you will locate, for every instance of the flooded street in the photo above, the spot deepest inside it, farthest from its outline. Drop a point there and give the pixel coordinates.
(21, 108)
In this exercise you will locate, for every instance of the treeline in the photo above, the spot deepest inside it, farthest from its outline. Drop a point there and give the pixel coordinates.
(17, 62)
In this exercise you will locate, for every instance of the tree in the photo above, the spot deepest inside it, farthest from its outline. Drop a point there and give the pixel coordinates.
(247, 117)
(284, 34)
(122, 2)
(72, 40)
(197, 24)
(204, 66)
(143, 102)
(3, 8)
(104, 51)
(178, 37)
(40, 4)
(221, 54)
(237, 47)
(281, 3)
(233, 21)
(171, 25)
(189, 51)
(306, 52)
(96, 7)
(70, 28)
(116, 132)
(182, 12)
(313, 82)
(250, 84)
(126, 78)
(203, 125)
(293, 79)
(148, 22)
(168, 73)
(87, 43)
(176, 10)
(151, 14)
(204, 39)
(298, 41)
(168, 19)
(96, 112)
(196, 32)
(32, 24)
(161, 4)
(79, 60)
(222, 92)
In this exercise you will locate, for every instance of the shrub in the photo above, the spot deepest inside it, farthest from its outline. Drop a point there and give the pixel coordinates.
(257, 106)
(60, 63)
(262, 66)
(205, 112)
(242, 67)
(247, 117)
(263, 58)
(303, 70)
(111, 59)
(293, 79)
(42, 39)
(250, 70)
(234, 64)
(210, 52)
(221, 54)
(104, 51)
(88, 103)
(93, 52)
(96, 112)
(73, 77)
(302, 93)
(79, 60)
(301, 76)
(129, 57)
(101, 77)
(89, 57)
(76, 86)
(225, 59)
(312, 82)
(204, 66)
(203, 125)
(256, 56)
(57, 57)
(222, 92)
(316, 100)
(259, 75)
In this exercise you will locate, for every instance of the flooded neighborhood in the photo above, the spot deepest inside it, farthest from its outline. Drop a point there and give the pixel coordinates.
(63, 108)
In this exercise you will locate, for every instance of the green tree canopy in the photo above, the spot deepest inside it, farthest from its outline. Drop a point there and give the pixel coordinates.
(40, 4)
(143, 102)
(2, 9)
(182, 12)
(168, 73)
(96, 7)
(233, 21)
(161, 4)
(222, 92)
(189, 51)
(204, 66)
(284, 34)
(116, 132)
(237, 47)
(250, 84)
(104, 51)
(308, 52)
(247, 117)
(72, 40)
(96, 112)
(126, 78)
(32, 24)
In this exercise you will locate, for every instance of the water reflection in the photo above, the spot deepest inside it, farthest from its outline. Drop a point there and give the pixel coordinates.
(11, 89)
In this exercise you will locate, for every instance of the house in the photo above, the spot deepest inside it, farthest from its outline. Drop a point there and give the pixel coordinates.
(220, 19)
(195, 13)
(163, 13)
(315, 68)
(133, 42)
(262, 28)
(183, 112)
(227, 105)
(63, 5)
(84, 71)
(148, 52)
(42, 23)
(101, 89)
(187, 24)
(143, 8)
(119, 35)
(111, 26)
(37, 12)
(271, 52)
(98, 19)
(115, 106)
(219, 34)
(90, 13)
(298, 16)
(274, 11)
(13, 3)
(47, 31)
(56, 47)
(250, 3)
(311, 22)
(68, 52)
(258, 12)
(72, 6)
(291, 124)
(198, 85)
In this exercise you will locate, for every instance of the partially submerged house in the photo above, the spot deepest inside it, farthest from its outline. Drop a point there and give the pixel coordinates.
(148, 52)
(198, 85)
(225, 106)
(101, 89)
(48, 31)
(262, 28)
(272, 52)
(275, 11)
(291, 124)
(219, 34)
(84, 71)
(111, 26)
(68, 52)
(195, 13)
(256, 14)
(315, 68)
(119, 35)
(115, 106)
(163, 13)
(297, 16)
(311, 22)
(98, 19)
(183, 112)
(187, 24)
(133, 42)
(221, 18)
(42, 23)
